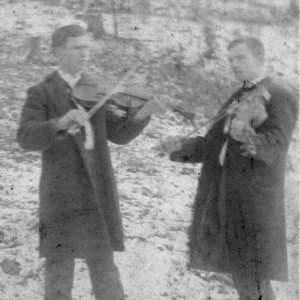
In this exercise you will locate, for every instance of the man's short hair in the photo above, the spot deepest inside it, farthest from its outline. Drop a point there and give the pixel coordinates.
(60, 35)
(253, 44)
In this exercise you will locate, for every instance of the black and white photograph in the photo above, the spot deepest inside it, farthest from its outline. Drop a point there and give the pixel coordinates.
(149, 150)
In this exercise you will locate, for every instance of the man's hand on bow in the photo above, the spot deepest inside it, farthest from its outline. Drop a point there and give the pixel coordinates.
(171, 144)
(158, 105)
(73, 117)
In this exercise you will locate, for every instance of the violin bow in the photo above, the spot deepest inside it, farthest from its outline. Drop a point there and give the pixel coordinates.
(89, 136)
(190, 116)
(257, 92)
(208, 123)
(99, 104)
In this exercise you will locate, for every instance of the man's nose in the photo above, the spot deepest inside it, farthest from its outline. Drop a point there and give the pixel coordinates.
(84, 53)
(233, 63)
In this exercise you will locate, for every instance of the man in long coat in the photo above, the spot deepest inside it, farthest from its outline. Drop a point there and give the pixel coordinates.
(238, 222)
(79, 208)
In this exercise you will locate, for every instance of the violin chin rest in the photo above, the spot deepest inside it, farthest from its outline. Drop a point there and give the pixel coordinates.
(127, 100)
(89, 96)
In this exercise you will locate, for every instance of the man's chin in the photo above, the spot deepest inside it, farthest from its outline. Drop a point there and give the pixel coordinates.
(81, 69)
(240, 78)
(238, 75)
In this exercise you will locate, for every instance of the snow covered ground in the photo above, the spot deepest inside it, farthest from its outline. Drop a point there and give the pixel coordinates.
(156, 195)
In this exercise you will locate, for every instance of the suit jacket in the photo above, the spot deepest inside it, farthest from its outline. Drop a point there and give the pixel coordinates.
(73, 179)
(239, 216)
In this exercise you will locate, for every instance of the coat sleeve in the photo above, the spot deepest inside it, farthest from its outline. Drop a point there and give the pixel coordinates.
(274, 135)
(36, 131)
(192, 151)
(123, 129)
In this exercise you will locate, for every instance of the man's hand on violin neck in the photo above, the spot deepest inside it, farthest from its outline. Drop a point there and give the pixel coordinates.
(158, 105)
(171, 144)
(73, 117)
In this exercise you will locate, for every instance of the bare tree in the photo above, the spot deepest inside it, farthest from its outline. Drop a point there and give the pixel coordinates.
(51, 2)
(114, 13)
(35, 53)
(93, 17)
(143, 9)
(293, 9)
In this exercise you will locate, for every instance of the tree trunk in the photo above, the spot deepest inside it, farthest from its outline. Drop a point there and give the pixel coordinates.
(96, 4)
(116, 24)
(143, 9)
(77, 5)
(211, 43)
(35, 54)
(293, 9)
(93, 18)
(52, 2)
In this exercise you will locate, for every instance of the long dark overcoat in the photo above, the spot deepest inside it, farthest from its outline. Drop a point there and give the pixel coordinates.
(79, 207)
(238, 222)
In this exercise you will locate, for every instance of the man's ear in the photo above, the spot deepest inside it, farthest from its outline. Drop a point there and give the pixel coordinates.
(57, 52)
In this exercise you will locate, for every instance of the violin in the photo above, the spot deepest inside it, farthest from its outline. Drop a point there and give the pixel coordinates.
(88, 92)
(91, 95)
(247, 113)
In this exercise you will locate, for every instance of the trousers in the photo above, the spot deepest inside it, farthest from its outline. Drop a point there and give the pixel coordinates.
(253, 288)
(104, 275)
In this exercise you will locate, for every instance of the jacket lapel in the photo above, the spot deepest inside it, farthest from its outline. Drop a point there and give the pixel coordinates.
(59, 92)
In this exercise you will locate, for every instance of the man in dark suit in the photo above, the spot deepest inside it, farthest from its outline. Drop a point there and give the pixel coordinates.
(238, 222)
(79, 208)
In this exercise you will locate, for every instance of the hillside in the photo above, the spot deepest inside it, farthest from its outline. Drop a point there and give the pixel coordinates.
(183, 50)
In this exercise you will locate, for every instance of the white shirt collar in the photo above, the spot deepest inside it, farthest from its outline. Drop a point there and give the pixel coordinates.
(257, 80)
(249, 84)
(68, 78)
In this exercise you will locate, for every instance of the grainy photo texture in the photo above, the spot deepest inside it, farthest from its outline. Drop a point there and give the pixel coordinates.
(149, 150)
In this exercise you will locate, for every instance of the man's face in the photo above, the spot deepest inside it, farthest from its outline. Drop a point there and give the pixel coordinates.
(244, 64)
(74, 55)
